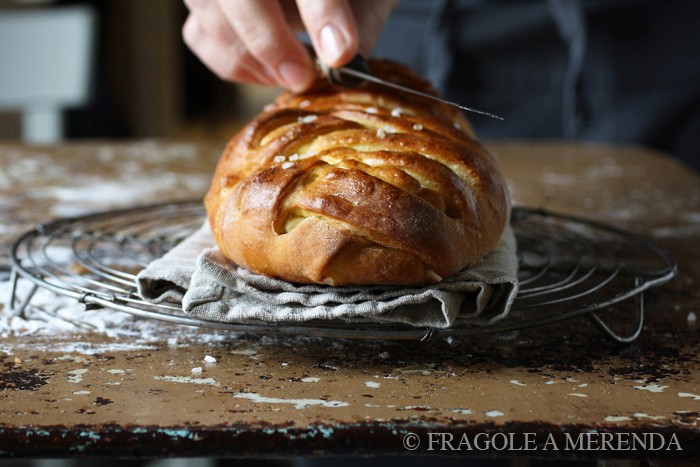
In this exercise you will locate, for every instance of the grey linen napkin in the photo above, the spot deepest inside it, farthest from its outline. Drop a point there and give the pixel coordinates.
(211, 287)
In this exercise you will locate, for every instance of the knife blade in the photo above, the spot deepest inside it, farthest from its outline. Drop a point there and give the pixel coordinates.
(357, 72)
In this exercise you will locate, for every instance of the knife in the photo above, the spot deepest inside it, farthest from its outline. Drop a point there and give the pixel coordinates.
(357, 71)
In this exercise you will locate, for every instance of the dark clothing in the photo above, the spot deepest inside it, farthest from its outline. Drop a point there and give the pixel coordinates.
(621, 71)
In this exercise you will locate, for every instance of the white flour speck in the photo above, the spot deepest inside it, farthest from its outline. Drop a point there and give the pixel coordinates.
(461, 411)
(695, 397)
(64, 318)
(76, 376)
(187, 379)
(616, 418)
(651, 417)
(297, 403)
(651, 388)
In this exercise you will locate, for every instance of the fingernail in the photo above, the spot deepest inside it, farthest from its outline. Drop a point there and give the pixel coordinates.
(296, 77)
(333, 43)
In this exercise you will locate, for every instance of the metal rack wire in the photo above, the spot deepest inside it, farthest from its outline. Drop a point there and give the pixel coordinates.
(568, 267)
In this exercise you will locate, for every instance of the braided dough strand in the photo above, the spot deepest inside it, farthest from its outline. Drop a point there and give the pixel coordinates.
(357, 186)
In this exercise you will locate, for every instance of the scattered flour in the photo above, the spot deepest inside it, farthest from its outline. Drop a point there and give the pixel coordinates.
(651, 388)
(187, 380)
(694, 397)
(616, 418)
(297, 403)
(54, 315)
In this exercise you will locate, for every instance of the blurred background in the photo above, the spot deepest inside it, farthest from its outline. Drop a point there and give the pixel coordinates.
(613, 71)
(110, 69)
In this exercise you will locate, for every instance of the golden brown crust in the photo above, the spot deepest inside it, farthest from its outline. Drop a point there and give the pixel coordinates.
(357, 186)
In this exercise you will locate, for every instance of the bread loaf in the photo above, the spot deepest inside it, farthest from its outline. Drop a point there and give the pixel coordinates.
(357, 186)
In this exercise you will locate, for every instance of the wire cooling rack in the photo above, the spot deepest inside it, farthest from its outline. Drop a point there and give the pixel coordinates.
(568, 267)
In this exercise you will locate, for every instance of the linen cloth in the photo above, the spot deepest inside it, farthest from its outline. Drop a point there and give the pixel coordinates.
(210, 287)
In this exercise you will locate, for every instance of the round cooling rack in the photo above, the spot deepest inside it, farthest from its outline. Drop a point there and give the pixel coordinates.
(568, 267)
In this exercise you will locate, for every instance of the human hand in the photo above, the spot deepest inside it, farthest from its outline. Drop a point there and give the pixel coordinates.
(253, 40)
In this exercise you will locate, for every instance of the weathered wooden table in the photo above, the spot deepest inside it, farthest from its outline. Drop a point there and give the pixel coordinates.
(557, 391)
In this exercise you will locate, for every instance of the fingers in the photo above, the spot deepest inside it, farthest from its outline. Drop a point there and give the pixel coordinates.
(332, 29)
(211, 38)
(339, 29)
(254, 41)
(249, 41)
(228, 60)
(262, 27)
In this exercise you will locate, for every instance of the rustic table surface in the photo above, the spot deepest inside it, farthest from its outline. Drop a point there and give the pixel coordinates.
(112, 388)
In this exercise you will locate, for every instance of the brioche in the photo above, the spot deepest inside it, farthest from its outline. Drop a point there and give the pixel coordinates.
(357, 186)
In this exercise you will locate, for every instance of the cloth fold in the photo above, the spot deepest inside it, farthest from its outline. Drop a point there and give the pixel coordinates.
(210, 287)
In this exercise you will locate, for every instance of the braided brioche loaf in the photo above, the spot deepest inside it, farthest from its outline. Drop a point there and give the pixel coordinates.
(357, 186)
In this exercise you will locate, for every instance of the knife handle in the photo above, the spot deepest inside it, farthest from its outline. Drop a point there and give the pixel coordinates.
(336, 75)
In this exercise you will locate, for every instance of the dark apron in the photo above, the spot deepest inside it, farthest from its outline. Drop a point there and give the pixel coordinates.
(617, 71)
